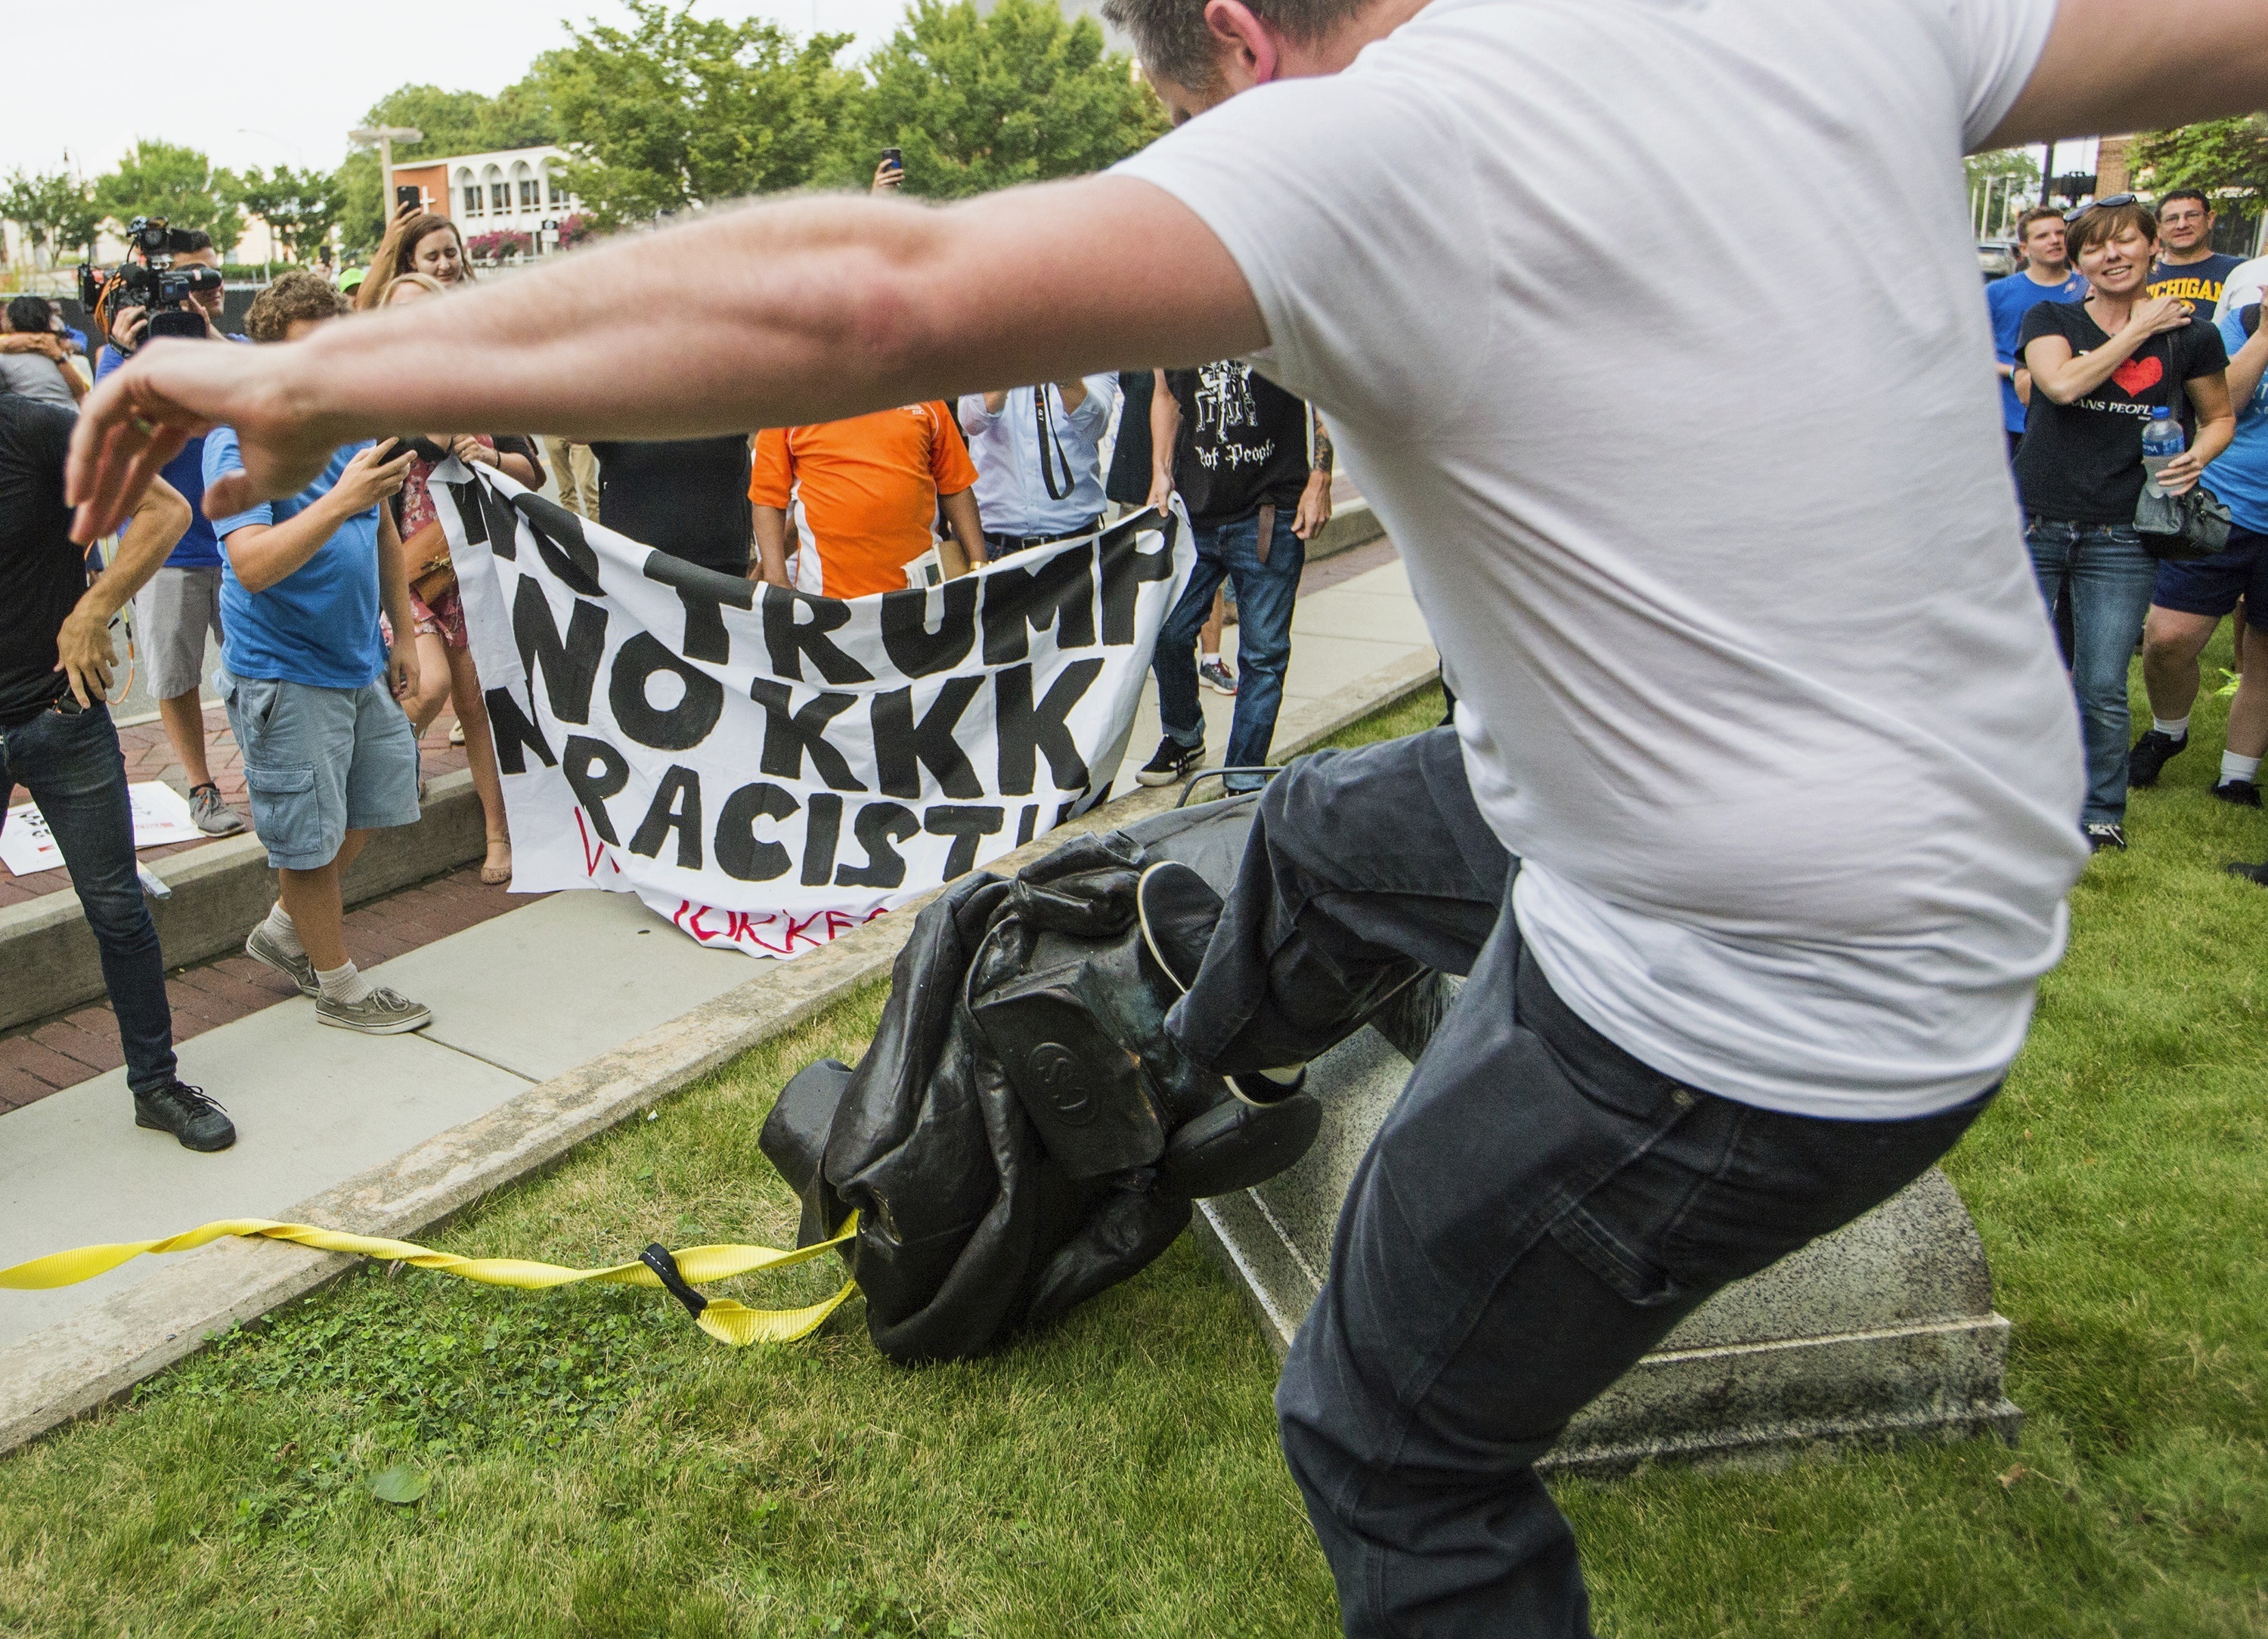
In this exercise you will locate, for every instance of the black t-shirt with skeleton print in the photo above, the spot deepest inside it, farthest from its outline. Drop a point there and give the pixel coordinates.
(1243, 442)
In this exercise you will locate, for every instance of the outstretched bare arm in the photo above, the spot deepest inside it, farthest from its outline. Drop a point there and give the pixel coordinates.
(2122, 65)
(765, 316)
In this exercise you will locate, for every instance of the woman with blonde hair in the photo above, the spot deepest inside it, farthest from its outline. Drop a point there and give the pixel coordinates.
(445, 660)
(419, 242)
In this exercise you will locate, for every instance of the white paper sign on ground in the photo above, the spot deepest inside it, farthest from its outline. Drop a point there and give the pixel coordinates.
(161, 815)
(769, 769)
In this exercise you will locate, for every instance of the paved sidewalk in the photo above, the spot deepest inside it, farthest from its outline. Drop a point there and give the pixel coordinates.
(519, 999)
(45, 1057)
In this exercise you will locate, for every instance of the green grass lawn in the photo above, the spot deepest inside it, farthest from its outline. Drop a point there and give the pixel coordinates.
(598, 1466)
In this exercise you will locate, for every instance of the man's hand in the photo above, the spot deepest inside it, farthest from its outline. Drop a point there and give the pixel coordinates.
(1161, 491)
(1314, 510)
(468, 449)
(374, 475)
(86, 655)
(145, 411)
(888, 178)
(402, 667)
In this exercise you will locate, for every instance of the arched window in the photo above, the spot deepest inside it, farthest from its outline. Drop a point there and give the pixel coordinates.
(525, 185)
(499, 190)
(467, 190)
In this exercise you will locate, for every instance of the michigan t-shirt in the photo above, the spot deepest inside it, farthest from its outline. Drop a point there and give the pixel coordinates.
(2198, 284)
(1750, 667)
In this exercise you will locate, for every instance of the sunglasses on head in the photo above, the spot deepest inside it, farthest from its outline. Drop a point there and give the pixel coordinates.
(2111, 203)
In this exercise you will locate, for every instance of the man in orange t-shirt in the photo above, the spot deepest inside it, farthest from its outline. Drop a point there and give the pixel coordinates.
(864, 495)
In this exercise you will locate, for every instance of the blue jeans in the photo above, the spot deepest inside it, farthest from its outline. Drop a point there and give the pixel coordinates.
(1537, 1212)
(70, 764)
(2104, 578)
(1264, 595)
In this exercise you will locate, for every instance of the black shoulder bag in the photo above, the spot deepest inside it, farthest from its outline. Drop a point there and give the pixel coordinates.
(2180, 528)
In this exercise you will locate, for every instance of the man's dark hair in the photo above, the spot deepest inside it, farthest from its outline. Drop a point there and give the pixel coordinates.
(2037, 213)
(1171, 39)
(2204, 203)
(32, 315)
(293, 296)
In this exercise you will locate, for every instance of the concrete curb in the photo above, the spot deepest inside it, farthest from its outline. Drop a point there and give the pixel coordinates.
(1352, 525)
(102, 1352)
(220, 889)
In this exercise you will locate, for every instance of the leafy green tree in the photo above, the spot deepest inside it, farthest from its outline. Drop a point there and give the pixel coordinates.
(55, 208)
(1999, 184)
(454, 122)
(179, 184)
(298, 206)
(681, 111)
(1020, 95)
(2217, 154)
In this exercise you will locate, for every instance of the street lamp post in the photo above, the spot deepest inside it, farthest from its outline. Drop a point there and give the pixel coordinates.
(385, 136)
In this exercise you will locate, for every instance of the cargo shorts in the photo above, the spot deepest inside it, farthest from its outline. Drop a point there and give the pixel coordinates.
(320, 762)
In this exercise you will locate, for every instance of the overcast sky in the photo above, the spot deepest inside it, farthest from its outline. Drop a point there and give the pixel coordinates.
(264, 82)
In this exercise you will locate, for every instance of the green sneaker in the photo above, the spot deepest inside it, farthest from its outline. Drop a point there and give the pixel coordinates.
(383, 1012)
(261, 945)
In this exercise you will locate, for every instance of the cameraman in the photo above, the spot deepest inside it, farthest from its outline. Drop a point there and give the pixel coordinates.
(173, 614)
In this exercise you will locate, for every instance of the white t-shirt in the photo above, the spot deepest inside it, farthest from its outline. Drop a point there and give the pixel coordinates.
(2246, 283)
(1650, 328)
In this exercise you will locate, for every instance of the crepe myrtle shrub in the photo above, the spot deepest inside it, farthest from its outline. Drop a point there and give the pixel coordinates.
(494, 247)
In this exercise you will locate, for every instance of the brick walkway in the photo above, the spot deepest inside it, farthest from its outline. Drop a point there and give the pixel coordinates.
(150, 756)
(36, 1060)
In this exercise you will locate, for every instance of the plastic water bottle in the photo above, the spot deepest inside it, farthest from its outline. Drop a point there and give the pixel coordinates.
(2161, 440)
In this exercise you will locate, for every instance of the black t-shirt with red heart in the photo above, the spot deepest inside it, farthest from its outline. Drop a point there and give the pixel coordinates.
(2081, 462)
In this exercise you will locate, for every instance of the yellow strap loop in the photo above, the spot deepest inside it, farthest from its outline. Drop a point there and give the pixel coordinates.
(724, 1320)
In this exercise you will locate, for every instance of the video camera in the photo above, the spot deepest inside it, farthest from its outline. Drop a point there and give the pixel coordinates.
(152, 283)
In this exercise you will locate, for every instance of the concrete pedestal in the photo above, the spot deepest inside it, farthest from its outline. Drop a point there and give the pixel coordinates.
(1883, 1331)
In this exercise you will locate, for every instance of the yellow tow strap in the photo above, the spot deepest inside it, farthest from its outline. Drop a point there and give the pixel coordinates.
(724, 1320)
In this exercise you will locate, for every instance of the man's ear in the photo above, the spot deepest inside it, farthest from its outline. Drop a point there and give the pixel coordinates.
(1245, 49)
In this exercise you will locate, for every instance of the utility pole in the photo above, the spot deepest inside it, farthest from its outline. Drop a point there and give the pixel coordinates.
(385, 136)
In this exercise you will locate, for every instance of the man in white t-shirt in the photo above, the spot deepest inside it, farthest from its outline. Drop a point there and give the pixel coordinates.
(1761, 801)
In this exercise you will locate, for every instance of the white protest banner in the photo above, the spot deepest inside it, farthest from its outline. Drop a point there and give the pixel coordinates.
(768, 769)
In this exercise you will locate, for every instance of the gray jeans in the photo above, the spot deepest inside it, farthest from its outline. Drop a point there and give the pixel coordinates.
(1538, 1210)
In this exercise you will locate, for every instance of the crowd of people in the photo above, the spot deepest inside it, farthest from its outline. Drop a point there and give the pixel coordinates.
(341, 630)
(2124, 325)
(341, 633)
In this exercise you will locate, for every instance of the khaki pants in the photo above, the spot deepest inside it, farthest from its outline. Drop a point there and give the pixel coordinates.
(577, 469)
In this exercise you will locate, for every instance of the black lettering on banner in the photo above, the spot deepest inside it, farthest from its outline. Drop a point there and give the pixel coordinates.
(503, 522)
(704, 592)
(878, 827)
(740, 854)
(676, 806)
(790, 639)
(822, 825)
(1126, 568)
(595, 771)
(569, 668)
(915, 650)
(1027, 824)
(902, 743)
(1060, 593)
(1025, 730)
(688, 723)
(790, 733)
(476, 525)
(559, 543)
(515, 734)
(964, 826)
